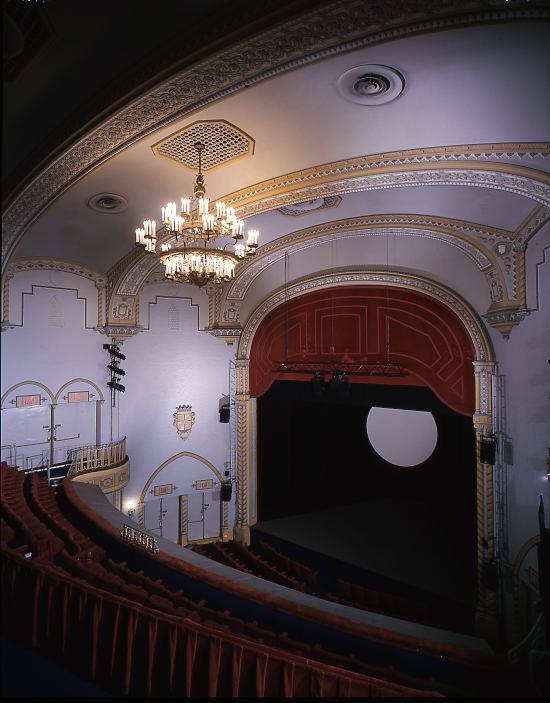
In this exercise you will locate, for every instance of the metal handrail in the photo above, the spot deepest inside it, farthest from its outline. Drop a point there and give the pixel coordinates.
(96, 456)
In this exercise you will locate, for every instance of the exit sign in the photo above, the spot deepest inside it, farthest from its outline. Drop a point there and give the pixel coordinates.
(204, 485)
(27, 401)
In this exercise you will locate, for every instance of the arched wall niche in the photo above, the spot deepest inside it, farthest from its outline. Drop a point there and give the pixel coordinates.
(476, 352)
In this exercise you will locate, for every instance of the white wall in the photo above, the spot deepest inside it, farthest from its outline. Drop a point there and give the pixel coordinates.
(167, 367)
(53, 343)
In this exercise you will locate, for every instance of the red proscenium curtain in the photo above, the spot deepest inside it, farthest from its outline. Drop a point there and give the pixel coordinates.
(361, 324)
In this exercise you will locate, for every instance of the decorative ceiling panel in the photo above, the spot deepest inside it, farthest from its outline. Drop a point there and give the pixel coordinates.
(223, 144)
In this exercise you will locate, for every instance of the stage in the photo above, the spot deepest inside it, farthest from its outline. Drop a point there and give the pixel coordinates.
(392, 538)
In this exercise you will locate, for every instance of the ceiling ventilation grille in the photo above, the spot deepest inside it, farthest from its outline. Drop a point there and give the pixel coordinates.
(224, 143)
(309, 206)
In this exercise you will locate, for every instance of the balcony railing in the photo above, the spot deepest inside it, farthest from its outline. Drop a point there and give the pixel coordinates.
(96, 456)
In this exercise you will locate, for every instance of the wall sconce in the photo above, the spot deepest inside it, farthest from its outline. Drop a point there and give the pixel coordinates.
(131, 509)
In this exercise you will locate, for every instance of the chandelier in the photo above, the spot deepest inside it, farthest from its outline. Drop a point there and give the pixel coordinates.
(196, 259)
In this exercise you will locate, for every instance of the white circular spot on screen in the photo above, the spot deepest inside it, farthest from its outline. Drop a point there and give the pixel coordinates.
(402, 437)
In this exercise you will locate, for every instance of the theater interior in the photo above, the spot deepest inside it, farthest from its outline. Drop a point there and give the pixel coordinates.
(292, 440)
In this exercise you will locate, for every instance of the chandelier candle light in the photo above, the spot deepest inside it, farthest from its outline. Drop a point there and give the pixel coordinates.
(197, 259)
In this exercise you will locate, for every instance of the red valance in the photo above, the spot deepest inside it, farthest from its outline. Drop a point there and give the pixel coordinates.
(359, 324)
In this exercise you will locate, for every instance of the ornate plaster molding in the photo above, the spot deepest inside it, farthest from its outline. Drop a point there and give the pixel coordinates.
(505, 320)
(50, 263)
(471, 320)
(350, 177)
(334, 29)
(531, 225)
(462, 235)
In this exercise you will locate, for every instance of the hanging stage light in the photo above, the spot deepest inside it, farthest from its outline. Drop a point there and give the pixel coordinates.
(116, 386)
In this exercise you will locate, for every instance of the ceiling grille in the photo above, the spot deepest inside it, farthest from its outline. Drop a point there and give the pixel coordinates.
(310, 206)
(223, 144)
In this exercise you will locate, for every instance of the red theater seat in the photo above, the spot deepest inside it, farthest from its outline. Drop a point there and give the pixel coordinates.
(134, 593)
(329, 658)
(293, 646)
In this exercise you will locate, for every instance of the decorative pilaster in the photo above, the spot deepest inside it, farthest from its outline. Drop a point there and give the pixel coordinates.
(183, 520)
(521, 297)
(242, 531)
(6, 303)
(487, 625)
(100, 302)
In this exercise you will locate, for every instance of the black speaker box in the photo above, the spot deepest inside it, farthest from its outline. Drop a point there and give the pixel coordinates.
(227, 489)
(224, 413)
(487, 452)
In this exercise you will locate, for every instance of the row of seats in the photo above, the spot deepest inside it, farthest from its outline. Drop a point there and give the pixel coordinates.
(262, 568)
(225, 556)
(376, 601)
(27, 527)
(45, 506)
(135, 586)
(120, 581)
(284, 563)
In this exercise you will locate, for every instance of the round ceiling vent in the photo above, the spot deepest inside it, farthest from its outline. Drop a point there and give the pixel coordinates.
(108, 202)
(371, 84)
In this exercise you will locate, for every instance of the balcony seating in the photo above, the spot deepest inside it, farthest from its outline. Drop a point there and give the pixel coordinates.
(236, 625)
(115, 568)
(303, 574)
(109, 582)
(330, 658)
(270, 638)
(154, 588)
(134, 593)
(384, 674)
(356, 596)
(135, 578)
(301, 648)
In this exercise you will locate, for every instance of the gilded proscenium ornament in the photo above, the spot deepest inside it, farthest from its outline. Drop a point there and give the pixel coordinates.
(184, 419)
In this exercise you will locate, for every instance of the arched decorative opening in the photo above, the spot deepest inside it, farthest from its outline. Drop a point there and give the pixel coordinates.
(365, 317)
(178, 506)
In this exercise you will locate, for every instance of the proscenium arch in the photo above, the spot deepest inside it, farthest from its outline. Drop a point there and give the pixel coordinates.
(484, 364)
(481, 341)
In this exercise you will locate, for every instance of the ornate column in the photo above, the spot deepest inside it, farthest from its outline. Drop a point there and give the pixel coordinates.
(100, 305)
(487, 623)
(6, 302)
(242, 401)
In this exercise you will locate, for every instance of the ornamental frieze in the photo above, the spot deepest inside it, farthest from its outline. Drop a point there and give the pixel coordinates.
(534, 185)
(331, 30)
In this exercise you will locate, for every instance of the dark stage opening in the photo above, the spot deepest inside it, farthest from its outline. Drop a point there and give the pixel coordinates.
(314, 454)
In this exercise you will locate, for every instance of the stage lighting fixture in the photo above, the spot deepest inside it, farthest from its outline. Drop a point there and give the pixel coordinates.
(318, 384)
(343, 386)
(116, 386)
(114, 351)
(116, 370)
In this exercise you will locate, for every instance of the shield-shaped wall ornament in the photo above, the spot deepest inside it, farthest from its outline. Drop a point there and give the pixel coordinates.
(184, 419)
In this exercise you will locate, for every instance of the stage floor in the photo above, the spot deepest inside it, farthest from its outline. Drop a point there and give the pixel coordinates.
(391, 537)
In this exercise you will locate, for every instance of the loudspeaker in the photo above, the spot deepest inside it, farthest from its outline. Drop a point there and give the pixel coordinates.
(227, 489)
(487, 451)
(224, 413)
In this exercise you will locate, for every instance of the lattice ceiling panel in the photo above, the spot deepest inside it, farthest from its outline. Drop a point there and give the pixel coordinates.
(223, 143)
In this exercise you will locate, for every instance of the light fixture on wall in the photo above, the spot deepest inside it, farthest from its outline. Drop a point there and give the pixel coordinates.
(196, 259)
(131, 509)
